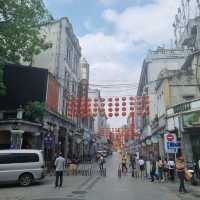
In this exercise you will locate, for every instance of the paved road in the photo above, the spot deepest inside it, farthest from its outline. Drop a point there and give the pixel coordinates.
(96, 188)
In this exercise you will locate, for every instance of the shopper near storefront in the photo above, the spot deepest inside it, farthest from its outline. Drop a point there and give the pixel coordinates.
(60, 167)
(160, 169)
(165, 169)
(153, 170)
(180, 168)
(141, 163)
(171, 166)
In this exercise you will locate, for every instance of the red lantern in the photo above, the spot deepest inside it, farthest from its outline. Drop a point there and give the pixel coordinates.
(89, 104)
(123, 103)
(116, 98)
(123, 98)
(102, 104)
(110, 104)
(110, 99)
(110, 114)
(132, 98)
(116, 104)
(96, 99)
(116, 109)
(95, 104)
(102, 99)
(132, 108)
(89, 99)
(124, 109)
(132, 103)
(116, 114)
(110, 109)
(123, 113)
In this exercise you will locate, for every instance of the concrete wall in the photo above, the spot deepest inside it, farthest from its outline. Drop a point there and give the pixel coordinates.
(179, 93)
(154, 68)
(63, 59)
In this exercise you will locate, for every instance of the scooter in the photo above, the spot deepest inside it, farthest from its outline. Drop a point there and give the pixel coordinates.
(191, 171)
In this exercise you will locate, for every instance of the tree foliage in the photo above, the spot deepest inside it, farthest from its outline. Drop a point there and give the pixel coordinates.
(35, 111)
(20, 21)
(2, 85)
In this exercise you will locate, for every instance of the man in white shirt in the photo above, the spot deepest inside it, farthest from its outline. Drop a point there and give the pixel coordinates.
(60, 166)
(142, 166)
(171, 166)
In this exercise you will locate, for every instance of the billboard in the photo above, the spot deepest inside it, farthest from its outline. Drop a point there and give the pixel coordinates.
(53, 93)
(23, 84)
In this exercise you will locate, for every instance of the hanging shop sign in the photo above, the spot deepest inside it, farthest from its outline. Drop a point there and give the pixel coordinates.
(148, 142)
(171, 144)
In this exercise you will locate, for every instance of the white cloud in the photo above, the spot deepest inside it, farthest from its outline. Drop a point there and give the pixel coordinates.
(151, 23)
(119, 55)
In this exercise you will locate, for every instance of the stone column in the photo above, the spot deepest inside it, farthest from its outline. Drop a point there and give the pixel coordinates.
(187, 147)
(16, 139)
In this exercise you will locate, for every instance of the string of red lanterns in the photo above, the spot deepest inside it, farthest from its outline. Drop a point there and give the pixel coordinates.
(108, 107)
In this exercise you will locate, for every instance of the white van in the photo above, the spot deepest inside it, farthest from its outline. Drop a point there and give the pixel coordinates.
(22, 166)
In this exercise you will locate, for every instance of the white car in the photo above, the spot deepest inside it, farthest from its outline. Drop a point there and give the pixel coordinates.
(22, 166)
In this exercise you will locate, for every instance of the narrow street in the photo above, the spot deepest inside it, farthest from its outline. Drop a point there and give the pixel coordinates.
(96, 188)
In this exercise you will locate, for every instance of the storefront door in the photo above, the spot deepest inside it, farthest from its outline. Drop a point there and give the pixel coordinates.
(195, 140)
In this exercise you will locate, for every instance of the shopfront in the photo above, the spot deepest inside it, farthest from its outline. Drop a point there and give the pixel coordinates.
(191, 127)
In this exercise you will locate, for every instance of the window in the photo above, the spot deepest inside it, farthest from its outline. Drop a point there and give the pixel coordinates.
(188, 97)
(18, 158)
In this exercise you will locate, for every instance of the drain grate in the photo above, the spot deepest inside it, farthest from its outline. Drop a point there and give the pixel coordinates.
(79, 192)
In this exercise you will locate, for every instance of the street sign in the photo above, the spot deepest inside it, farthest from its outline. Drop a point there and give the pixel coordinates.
(173, 145)
(170, 143)
(170, 137)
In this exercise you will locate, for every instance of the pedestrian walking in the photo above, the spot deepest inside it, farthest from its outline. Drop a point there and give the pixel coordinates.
(160, 169)
(124, 163)
(60, 166)
(142, 166)
(153, 170)
(180, 168)
(133, 163)
(165, 169)
(101, 163)
(171, 166)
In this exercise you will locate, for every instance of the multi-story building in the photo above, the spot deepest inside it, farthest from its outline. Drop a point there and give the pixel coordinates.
(38, 126)
(177, 82)
(155, 62)
(63, 59)
(86, 122)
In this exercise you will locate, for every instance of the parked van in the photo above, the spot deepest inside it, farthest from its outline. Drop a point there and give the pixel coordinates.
(22, 166)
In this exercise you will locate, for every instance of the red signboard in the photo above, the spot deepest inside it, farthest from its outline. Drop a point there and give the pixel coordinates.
(170, 137)
(53, 93)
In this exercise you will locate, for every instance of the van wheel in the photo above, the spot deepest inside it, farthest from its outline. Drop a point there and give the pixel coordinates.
(25, 179)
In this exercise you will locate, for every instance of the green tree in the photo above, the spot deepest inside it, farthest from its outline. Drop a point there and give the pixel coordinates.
(2, 86)
(20, 21)
(20, 37)
(35, 111)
